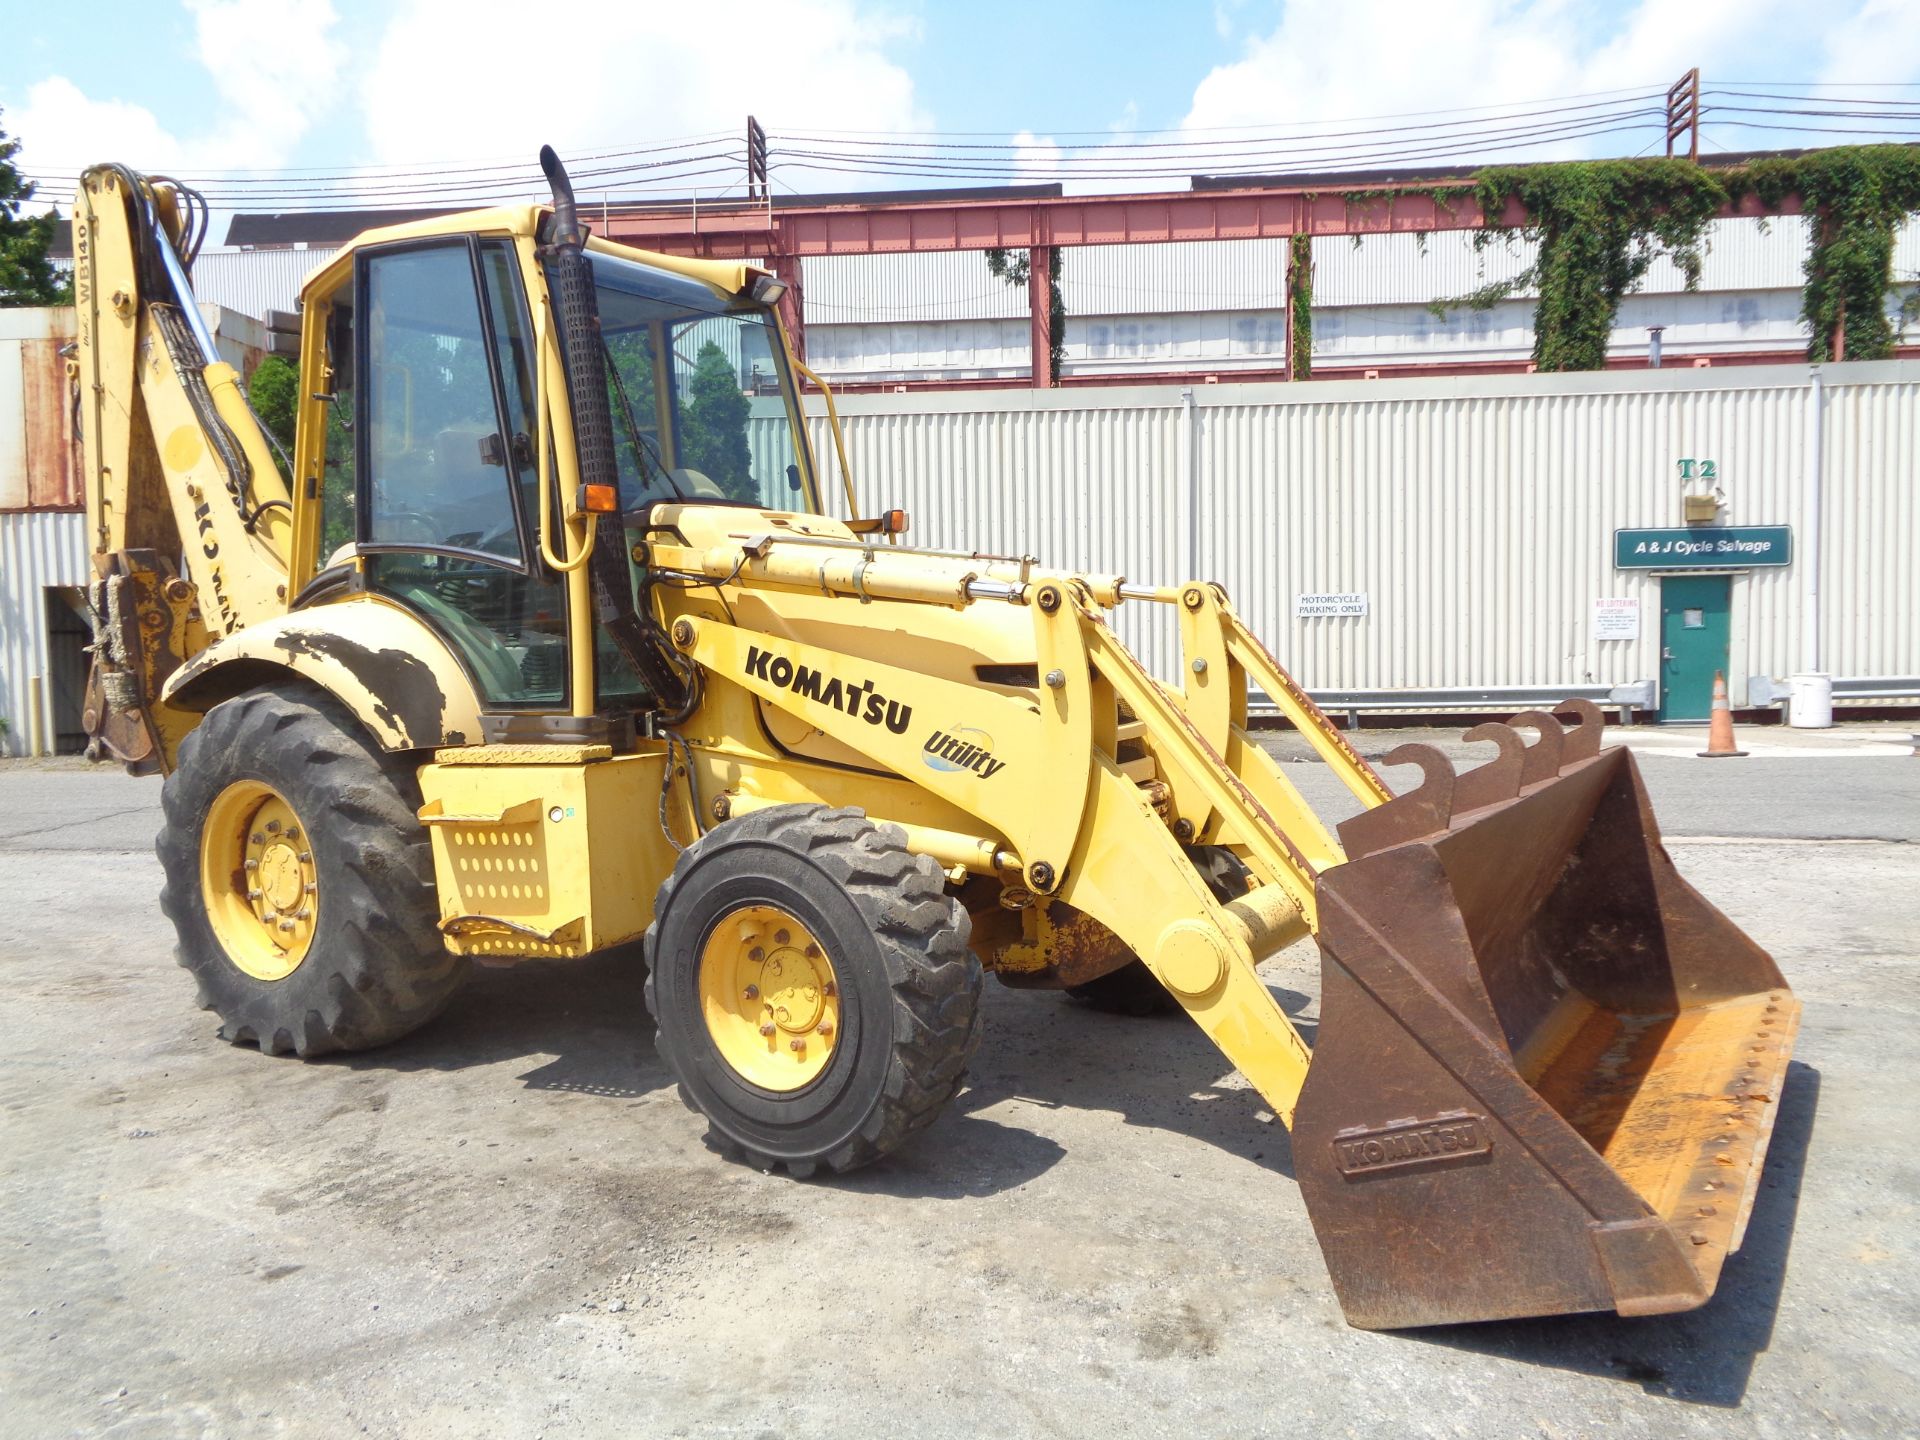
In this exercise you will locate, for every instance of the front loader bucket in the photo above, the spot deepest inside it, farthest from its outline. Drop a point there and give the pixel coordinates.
(1547, 1068)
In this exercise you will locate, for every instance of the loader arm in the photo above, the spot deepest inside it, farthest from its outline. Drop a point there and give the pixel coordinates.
(1544, 1063)
(189, 519)
(1053, 796)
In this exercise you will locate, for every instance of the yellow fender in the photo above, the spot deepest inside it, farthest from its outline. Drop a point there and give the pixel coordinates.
(383, 663)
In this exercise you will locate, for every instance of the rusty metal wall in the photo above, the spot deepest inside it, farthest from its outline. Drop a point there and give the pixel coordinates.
(1476, 514)
(37, 550)
(39, 463)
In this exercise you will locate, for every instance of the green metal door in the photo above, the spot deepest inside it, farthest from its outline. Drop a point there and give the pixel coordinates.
(1693, 643)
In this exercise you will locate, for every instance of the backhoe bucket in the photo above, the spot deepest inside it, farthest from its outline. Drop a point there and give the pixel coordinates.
(1547, 1068)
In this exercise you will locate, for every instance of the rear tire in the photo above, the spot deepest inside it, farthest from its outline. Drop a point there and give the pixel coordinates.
(371, 965)
(889, 954)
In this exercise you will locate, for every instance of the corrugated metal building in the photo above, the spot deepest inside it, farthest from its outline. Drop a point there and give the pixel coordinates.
(1217, 307)
(1475, 514)
(1220, 306)
(43, 542)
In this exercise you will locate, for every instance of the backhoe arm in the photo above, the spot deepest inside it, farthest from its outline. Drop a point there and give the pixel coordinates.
(189, 517)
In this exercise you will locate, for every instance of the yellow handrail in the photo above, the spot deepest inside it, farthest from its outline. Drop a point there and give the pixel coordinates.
(833, 422)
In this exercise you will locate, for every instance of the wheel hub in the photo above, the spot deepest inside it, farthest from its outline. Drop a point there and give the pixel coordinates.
(770, 997)
(258, 880)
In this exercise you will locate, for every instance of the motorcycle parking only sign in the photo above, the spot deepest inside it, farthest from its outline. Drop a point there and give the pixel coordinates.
(1313, 607)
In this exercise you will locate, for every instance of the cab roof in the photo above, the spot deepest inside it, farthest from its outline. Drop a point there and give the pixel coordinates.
(728, 277)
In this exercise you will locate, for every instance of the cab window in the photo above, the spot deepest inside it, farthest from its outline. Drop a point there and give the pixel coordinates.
(446, 477)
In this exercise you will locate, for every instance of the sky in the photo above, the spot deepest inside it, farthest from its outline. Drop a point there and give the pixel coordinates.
(209, 87)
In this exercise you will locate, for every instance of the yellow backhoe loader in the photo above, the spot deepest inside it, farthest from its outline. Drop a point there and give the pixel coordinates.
(541, 642)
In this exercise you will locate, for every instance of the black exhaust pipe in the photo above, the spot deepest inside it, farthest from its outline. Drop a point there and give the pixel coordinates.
(676, 693)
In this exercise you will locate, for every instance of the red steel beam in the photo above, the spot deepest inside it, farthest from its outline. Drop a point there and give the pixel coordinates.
(780, 237)
(883, 228)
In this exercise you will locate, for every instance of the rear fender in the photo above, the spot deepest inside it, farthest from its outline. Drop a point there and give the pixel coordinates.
(386, 665)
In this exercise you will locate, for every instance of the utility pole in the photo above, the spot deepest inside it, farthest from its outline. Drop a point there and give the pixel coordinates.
(1683, 113)
(756, 160)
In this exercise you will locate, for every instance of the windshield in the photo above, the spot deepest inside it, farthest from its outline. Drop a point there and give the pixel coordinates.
(698, 388)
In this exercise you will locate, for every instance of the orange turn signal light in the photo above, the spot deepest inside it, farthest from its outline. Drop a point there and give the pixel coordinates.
(894, 522)
(597, 500)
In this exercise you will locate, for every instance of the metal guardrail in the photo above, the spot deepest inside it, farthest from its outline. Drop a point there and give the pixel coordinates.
(1507, 698)
(1764, 690)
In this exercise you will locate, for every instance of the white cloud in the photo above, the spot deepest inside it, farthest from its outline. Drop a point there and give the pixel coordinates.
(1035, 157)
(630, 74)
(273, 64)
(1326, 63)
(62, 131)
(1878, 44)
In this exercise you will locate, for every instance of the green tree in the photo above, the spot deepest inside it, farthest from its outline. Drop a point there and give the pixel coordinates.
(713, 425)
(27, 275)
(275, 393)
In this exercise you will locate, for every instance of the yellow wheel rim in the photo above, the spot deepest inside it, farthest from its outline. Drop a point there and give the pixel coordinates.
(258, 881)
(770, 998)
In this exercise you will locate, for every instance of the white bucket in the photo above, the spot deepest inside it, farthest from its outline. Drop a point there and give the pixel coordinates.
(1810, 702)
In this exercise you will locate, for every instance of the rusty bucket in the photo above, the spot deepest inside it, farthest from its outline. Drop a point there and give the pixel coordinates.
(1547, 1067)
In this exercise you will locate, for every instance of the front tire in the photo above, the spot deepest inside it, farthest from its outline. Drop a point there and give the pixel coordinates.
(299, 879)
(812, 987)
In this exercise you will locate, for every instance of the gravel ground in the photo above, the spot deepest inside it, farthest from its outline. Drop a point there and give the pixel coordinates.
(507, 1225)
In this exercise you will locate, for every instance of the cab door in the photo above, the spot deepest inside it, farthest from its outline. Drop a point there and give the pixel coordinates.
(445, 475)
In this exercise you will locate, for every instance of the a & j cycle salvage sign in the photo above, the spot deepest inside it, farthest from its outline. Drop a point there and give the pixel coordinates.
(1700, 547)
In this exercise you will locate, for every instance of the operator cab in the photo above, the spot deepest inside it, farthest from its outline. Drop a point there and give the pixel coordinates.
(430, 476)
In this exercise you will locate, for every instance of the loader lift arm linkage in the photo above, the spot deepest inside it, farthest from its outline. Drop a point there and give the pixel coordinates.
(1628, 1096)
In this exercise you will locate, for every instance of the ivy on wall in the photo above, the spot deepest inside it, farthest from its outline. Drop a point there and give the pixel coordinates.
(1600, 224)
(1855, 198)
(1005, 265)
(1300, 293)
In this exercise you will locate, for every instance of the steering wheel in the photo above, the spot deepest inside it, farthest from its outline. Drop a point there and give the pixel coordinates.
(692, 482)
(406, 526)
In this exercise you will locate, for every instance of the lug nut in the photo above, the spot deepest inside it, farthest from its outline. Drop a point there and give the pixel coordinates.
(813, 952)
(253, 894)
(310, 888)
(305, 912)
(826, 1028)
(829, 989)
(781, 937)
(286, 924)
(305, 857)
(796, 1045)
(273, 827)
(253, 864)
(756, 953)
(257, 838)
(766, 1029)
(753, 992)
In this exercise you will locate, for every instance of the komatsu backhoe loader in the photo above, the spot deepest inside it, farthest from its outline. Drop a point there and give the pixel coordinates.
(543, 643)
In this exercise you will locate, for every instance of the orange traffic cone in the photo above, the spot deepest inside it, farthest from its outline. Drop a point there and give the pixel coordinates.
(1720, 731)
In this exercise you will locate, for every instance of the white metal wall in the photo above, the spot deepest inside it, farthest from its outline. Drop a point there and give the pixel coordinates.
(1477, 514)
(256, 281)
(37, 549)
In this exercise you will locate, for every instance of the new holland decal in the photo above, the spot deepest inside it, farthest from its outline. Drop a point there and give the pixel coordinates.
(854, 697)
(962, 749)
